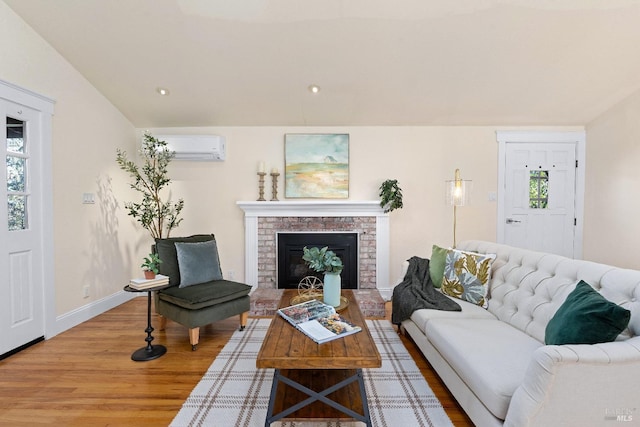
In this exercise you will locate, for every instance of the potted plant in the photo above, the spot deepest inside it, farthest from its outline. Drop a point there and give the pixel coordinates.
(390, 195)
(150, 179)
(322, 260)
(150, 265)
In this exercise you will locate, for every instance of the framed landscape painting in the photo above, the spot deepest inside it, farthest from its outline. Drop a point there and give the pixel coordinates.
(316, 165)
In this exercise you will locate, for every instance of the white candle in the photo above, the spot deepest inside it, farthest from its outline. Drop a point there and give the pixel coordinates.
(261, 167)
(274, 171)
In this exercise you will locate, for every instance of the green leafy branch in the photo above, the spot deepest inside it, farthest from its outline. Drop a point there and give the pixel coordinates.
(390, 195)
(322, 260)
(154, 214)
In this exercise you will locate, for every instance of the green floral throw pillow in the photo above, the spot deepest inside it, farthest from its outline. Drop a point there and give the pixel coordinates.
(466, 276)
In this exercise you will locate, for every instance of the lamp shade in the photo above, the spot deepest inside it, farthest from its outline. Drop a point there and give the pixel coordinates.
(458, 190)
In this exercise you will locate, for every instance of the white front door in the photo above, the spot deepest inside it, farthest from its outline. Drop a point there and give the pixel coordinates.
(21, 256)
(540, 204)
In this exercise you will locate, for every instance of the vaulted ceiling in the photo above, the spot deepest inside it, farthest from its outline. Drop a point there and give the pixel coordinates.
(406, 62)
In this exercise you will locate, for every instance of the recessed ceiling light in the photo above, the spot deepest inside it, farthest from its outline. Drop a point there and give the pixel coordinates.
(314, 88)
(162, 91)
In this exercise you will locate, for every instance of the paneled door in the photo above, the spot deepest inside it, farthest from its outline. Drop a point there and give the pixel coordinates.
(539, 197)
(21, 257)
(541, 190)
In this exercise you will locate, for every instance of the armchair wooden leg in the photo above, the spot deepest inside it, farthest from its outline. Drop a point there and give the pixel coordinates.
(243, 320)
(162, 324)
(194, 337)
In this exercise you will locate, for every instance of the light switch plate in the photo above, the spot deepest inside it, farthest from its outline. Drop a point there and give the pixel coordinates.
(88, 198)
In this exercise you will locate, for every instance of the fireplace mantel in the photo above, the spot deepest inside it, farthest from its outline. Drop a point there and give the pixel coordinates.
(316, 208)
(312, 208)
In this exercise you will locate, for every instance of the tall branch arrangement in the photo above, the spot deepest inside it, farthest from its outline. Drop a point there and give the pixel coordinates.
(152, 212)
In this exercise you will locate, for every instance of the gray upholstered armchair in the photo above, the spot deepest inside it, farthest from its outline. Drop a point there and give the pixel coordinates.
(198, 294)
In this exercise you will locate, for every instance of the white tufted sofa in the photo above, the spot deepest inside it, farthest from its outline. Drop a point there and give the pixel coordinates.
(495, 361)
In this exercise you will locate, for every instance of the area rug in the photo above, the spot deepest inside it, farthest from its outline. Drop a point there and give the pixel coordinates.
(233, 392)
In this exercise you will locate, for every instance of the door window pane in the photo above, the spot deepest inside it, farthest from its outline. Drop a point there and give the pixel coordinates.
(16, 164)
(538, 189)
(16, 173)
(15, 136)
(18, 219)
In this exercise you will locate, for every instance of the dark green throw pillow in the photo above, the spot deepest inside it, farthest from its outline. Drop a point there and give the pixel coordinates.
(436, 265)
(586, 317)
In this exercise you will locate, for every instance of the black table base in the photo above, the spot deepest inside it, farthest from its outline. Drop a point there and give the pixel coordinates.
(149, 352)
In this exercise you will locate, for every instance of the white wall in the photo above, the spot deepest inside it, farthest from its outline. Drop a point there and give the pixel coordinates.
(612, 202)
(420, 158)
(94, 244)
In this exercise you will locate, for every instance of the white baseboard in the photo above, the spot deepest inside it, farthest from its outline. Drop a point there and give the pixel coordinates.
(386, 293)
(82, 314)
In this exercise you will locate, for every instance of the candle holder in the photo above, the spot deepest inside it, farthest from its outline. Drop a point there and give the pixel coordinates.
(274, 186)
(261, 186)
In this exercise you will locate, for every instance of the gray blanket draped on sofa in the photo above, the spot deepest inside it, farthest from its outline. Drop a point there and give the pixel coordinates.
(416, 291)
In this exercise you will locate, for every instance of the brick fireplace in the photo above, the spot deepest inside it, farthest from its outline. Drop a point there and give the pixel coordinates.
(264, 220)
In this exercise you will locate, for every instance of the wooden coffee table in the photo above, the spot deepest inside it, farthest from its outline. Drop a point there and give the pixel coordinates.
(318, 381)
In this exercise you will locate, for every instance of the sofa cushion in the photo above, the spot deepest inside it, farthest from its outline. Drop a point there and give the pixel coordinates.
(469, 311)
(204, 294)
(436, 265)
(466, 276)
(490, 356)
(586, 317)
(166, 250)
(198, 262)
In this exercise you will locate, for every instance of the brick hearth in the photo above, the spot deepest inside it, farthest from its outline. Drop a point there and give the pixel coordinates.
(264, 302)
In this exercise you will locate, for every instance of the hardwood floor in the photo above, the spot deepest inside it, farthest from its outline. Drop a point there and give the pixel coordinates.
(85, 376)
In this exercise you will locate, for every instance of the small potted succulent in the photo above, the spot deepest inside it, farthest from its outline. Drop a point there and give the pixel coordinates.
(150, 265)
(325, 261)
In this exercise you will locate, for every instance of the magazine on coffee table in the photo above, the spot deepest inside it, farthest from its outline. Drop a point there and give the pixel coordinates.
(318, 321)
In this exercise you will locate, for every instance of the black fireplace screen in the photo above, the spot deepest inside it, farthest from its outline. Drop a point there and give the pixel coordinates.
(292, 268)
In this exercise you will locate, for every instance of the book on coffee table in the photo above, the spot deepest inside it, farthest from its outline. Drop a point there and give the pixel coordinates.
(318, 321)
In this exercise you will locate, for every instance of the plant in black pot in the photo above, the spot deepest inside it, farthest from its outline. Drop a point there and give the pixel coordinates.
(322, 260)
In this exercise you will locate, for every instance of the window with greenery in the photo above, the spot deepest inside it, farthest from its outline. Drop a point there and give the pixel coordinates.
(16, 163)
(538, 189)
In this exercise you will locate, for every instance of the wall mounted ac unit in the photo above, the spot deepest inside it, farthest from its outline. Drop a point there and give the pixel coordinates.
(196, 147)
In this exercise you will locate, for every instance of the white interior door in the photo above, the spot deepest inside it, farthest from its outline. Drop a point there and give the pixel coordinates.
(21, 272)
(539, 197)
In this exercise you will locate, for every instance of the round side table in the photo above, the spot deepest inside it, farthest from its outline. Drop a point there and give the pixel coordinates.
(149, 352)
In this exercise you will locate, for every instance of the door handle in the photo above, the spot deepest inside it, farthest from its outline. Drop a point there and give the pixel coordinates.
(512, 221)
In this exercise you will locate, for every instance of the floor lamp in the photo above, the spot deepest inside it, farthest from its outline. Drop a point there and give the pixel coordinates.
(457, 192)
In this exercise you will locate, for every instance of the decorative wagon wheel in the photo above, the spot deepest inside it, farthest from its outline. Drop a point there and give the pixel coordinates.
(310, 286)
